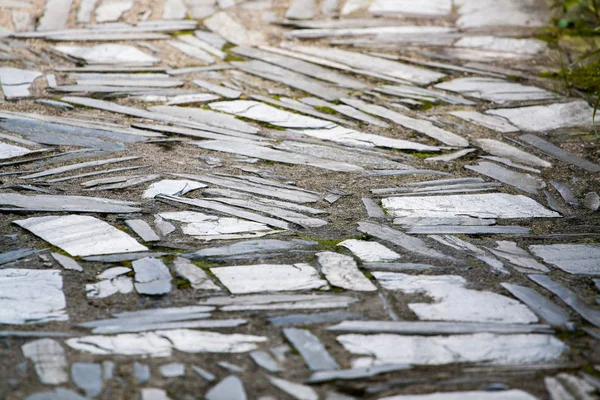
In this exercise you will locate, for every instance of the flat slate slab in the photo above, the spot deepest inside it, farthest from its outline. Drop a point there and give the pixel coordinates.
(548, 117)
(492, 205)
(512, 394)
(496, 90)
(316, 357)
(152, 277)
(559, 153)
(108, 54)
(342, 271)
(410, 9)
(81, 235)
(16, 82)
(49, 359)
(577, 259)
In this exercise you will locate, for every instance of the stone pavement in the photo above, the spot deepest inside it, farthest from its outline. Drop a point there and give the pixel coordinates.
(304, 199)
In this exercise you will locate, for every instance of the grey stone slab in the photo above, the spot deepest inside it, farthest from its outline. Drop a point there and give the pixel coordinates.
(496, 90)
(501, 149)
(172, 370)
(203, 373)
(296, 105)
(191, 324)
(174, 9)
(489, 14)
(310, 319)
(107, 54)
(400, 239)
(417, 93)
(290, 78)
(220, 90)
(211, 38)
(398, 267)
(87, 377)
(152, 277)
(16, 82)
(422, 126)
(67, 262)
(142, 229)
(265, 361)
(356, 373)
(141, 372)
(191, 51)
(468, 230)
(578, 259)
(14, 255)
(524, 182)
(510, 163)
(519, 257)
(210, 118)
(510, 394)
(49, 359)
(54, 203)
(346, 110)
(253, 246)
(382, 66)
(591, 201)
(295, 390)
(230, 367)
(548, 117)
(118, 258)
(437, 328)
(270, 154)
(72, 167)
(565, 193)
(316, 357)
(233, 30)
(342, 271)
(299, 66)
(451, 156)
(85, 10)
(571, 299)
(126, 182)
(494, 123)
(230, 388)
(559, 153)
(56, 13)
(546, 309)
(373, 209)
(195, 275)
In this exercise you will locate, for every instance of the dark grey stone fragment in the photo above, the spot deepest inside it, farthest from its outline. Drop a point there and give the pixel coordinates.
(87, 377)
(542, 306)
(309, 319)
(141, 372)
(559, 153)
(355, 373)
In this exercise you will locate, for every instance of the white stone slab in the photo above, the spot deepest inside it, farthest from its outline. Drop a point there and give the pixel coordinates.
(86, 8)
(56, 14)
(108, 287)
(494, 123)
(496, 90)
(351, 6)
(161, 343)
(269, 278)
(512, 394)
(66, 262)
(112, 10)
(485, 348)
(172, 187)
(548, 117)
(412, 9)
(233, 30)
(174, 9)
(491, 205)
(488, 14)
(194, 274)
(152, 276)
(301, 9)
(351, 137)
(153, 394)
(16, 82)
(10, 151)
(578, 259)
(205, 226)
(502, 149)
(81, 235)
(49, 360)
(108, 54)
(265, 113)
(370, 251)
(280, 302)
(502, 44)
(342, 271)
(31, 296)
(454, 302)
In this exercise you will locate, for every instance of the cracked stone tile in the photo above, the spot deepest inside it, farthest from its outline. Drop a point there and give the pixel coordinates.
(280, 302)
(108, 54)
(87, 377)
(31, 296)
(578, 259)
(370, 252)
(172, 187)
(520, 349)
(16, 83)
(49, 359)
(81, 235)
(152, 277)
(513, 394)
(268, 277)
(342, 271)
(492, 205)
(454, 301)
(314, 353)
(542, 306)
(108, 287)
(194, 274)
(161, 343)
(230, 388)
(496, 90)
